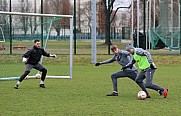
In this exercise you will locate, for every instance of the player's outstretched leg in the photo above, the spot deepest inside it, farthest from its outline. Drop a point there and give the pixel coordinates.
(44, 72)
(114, 78)
(21, 79)
(149, 84)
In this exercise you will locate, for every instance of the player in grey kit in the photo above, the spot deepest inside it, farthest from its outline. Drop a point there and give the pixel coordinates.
(31, 59)
(123, 58)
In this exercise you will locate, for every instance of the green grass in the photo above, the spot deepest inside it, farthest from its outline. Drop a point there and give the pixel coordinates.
(60, 47)
(83, 47)
(84, 95)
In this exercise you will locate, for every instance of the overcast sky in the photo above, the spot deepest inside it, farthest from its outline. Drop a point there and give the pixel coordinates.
(122, 3)
(117, 3)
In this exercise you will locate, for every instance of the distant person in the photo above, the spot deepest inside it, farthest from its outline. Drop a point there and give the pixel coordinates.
(123, 58)
(31, 59)
(147, 66)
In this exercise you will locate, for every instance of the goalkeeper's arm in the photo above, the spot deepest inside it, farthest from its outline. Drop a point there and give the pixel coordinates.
(26, 55)
(47, 54)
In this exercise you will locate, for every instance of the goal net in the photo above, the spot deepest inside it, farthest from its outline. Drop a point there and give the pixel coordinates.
(55, 33)
(2, 38)
(168, 30)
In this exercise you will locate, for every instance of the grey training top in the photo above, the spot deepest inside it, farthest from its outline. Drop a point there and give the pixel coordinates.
(123, 58)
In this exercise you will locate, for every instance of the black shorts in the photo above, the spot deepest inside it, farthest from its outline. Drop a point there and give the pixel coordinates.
(36, 66)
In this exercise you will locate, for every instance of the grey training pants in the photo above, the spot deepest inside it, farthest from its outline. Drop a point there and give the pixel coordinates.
(121, 74)
(148, 74)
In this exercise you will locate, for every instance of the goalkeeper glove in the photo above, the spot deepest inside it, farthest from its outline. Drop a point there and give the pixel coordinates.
(24, 59)
(97, 64)
(53, 55)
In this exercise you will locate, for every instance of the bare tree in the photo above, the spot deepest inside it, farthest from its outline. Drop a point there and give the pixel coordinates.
(135, 14)
(103, 14)
(61, 7)
(157, 13)
(85, 14)
(175, 11)
(3, 18)
(23, 22)
(125, 20)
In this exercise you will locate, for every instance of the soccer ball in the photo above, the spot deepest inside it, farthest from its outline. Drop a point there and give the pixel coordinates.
(37, 76)
(142, 95)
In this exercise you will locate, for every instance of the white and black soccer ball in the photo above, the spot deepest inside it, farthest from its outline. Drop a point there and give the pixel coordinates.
(37, 76)
(142, 95)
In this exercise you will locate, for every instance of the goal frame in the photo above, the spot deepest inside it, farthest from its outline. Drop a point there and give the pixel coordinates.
(71, 40)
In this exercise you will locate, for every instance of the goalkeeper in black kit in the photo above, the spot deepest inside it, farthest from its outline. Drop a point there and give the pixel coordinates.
(31, 59)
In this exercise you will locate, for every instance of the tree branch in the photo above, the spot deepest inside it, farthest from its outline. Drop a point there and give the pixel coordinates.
(117, 10)
(111, 6)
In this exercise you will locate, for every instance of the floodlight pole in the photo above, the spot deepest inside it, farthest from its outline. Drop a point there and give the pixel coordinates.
(138, 20)
(75, 27)
(41, 24)
(144, 24)
(132, 20)
(149, 27)
(180, 27)
(93, 31)
(109, 26)
(10, 23)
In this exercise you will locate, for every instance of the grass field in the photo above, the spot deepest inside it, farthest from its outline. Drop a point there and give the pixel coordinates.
(85, 94)
(83, 47)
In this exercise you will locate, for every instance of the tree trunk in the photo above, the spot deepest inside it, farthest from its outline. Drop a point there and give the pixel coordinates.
(106, 33)
(106, 23)
(58, 31)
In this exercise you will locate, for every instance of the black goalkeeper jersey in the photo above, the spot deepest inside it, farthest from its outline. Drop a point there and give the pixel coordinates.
(34, 55)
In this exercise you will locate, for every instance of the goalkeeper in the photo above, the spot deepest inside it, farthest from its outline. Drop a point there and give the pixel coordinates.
(31, 59)
(147, 66)
(123, 58)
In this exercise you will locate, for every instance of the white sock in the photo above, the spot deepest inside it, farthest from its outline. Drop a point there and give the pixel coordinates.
(18, 83)
(41, 82)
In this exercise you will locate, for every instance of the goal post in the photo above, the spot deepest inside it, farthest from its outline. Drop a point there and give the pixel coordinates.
(58, 40)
